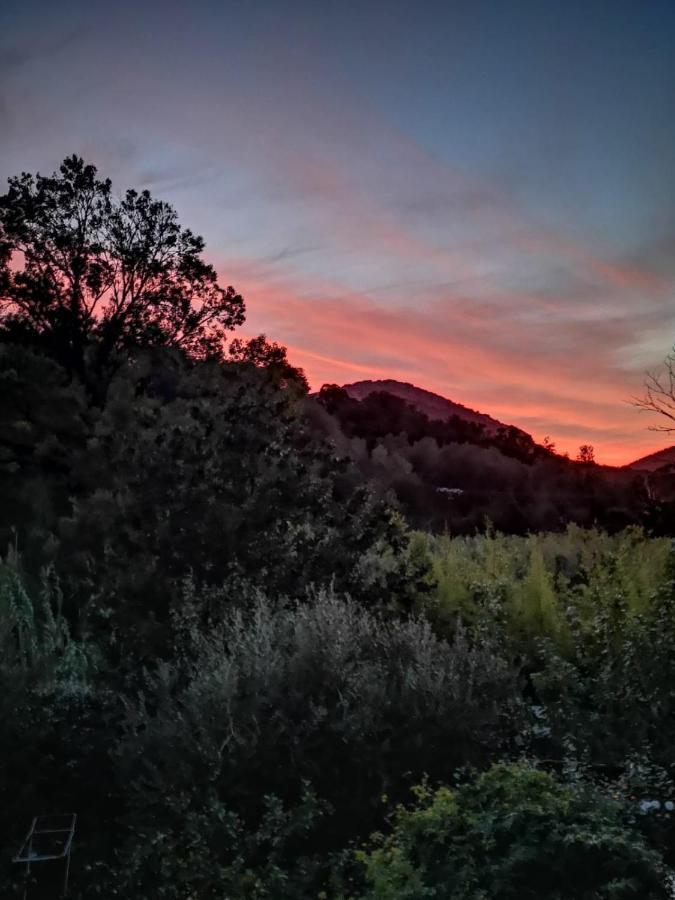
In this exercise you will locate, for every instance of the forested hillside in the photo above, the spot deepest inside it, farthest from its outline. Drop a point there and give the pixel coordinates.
(655, 460)
(432, 405)
(267, 645)
(454, 472)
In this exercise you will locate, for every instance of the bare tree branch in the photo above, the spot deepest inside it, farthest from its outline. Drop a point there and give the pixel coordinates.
(659, 396)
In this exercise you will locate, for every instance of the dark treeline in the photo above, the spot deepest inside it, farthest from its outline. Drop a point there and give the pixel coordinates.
(456, 474)
(381, 413)
(223, 648)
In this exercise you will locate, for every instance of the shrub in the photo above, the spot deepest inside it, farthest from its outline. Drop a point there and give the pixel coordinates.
(510, 834)
(609, 692)
(204, 469)
(322, 692)
(527, 583)
(210, 853)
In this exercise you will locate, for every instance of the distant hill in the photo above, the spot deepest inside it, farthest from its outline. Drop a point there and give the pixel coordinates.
(450, 468)
(654, 461)
(432, 405)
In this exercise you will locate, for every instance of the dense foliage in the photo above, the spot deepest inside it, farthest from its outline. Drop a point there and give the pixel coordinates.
(322, 694)
(224, 649)
(529, 583)
(453, 474)
(253, 760)
(513, 833)
(588, 619)
(182, 469)
(187, 466)
(95, 276)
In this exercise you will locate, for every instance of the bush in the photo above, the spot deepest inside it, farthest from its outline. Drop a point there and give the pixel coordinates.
(609, 692)
(210, 853)
(324, 693)
(512, 833)
(525, 585)
(44, 423)
(204, 469)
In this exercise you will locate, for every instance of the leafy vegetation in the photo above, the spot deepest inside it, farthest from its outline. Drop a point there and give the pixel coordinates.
(222, 646)
(453, 474)
(530, 583)
(513, 832)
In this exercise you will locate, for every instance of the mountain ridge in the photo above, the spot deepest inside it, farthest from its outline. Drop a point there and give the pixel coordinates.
(433, 405)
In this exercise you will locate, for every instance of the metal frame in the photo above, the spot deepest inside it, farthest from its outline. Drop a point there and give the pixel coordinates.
(41, 825)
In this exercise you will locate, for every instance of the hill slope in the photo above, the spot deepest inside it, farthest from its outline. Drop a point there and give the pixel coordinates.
(450, 468)
(432, 405)
(654, 461)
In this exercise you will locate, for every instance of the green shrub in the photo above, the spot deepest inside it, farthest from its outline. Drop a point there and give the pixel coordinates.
(205, 469)
(512, 833)
(609, 693)
(210, 853)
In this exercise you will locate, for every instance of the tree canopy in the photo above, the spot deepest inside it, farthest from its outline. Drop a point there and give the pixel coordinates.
(87, 274)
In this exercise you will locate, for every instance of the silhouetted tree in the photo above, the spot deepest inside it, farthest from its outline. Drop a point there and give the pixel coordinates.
(273, 358)
(586, 454)
(86, 274)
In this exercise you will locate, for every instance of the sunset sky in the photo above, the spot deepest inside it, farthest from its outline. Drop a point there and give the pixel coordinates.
(476, 197)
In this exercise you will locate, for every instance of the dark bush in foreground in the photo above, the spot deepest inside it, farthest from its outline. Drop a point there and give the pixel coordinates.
(324, 693)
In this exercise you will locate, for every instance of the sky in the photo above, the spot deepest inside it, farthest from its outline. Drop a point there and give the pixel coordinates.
(475, 197)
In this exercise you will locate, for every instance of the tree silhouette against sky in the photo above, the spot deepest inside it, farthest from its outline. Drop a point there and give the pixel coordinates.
(89, 275)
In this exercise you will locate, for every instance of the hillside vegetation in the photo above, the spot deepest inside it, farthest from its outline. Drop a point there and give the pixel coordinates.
(454, 471)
